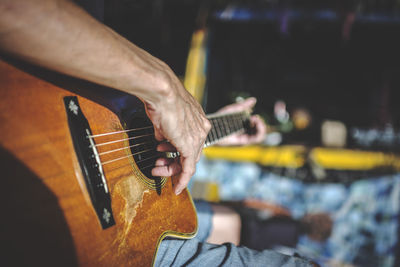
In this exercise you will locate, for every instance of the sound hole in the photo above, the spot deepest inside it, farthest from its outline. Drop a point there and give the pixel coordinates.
(143, 148)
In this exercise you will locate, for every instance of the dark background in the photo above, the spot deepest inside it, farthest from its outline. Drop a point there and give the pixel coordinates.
(309, 65)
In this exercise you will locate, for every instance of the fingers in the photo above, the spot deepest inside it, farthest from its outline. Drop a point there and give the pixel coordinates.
(180, 119)
(163, 162)
(183, 170)
(166, 147)
(246, 104)
(189, 145)
(258, 124)
(260, 129)
(190, 155)
(167, 169)
(188, 170)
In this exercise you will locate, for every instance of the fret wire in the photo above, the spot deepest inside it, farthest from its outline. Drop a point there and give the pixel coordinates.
(223, 125)
(219, 134)
(235, 125)
(241, 118)
(227, 121)
(227, 125)
(230, 124)
(216, 129)
(208, 139)
(241, 121)
(212, 131)
(237, 121)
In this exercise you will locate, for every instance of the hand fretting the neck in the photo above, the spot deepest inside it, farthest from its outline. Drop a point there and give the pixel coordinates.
(224, 125)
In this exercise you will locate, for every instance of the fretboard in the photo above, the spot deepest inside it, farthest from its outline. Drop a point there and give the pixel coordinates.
(225, 125)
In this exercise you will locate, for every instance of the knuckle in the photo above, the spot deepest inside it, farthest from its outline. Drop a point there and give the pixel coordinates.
(164, 84)
(192, 171)
(207, 125)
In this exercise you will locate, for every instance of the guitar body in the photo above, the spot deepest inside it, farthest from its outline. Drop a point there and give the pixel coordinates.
(48, 218)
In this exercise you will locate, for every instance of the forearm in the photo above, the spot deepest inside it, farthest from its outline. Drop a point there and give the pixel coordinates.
(59, 35)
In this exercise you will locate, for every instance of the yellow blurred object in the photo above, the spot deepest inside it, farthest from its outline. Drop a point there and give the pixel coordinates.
(296, 157)
(205, 190)
(285, 156)
(301, 118)
(354, 159)
(195, 74)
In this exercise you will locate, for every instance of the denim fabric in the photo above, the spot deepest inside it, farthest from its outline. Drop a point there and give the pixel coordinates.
(365, 213)
(204, 219)
(195, 252)
(175, 252)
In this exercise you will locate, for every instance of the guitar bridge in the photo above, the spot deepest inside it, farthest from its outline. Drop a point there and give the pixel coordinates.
(89, 162)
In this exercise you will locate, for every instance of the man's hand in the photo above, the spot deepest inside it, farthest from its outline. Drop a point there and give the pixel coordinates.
(179, 119)
(255, 122)
(61, 36)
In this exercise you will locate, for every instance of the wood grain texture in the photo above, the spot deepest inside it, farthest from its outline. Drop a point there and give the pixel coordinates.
(48, 217)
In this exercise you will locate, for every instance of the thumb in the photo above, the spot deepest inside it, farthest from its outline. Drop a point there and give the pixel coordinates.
(248, 103)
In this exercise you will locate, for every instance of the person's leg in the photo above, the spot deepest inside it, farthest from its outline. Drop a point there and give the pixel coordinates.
(195, 252)
(205, 216)
(175, 252)
(217, 224)
(226, 226)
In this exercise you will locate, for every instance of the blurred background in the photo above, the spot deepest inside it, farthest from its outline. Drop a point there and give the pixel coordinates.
(326, 76)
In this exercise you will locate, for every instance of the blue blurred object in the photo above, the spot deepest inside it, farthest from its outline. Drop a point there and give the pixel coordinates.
(365, 214)
(240, 13)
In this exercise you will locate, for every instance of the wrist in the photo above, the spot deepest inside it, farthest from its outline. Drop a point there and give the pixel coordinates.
(152, 80)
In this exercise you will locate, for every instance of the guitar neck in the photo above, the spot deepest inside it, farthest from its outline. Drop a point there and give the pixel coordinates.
(225, 125)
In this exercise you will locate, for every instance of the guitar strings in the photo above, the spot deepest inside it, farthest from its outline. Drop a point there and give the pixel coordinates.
(210, 117)
(148, 166)
(135, 145)
(152, 142)
(137, 162)
(122, 148)
(124, 139)
(122, 131)
(124, 157)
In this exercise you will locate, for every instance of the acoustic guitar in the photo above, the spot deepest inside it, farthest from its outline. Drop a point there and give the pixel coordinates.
(76, 183)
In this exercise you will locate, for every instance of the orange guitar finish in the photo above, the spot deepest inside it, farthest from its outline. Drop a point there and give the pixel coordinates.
(47, 218)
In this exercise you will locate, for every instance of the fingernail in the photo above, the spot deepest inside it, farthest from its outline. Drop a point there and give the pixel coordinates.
(178, 190)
